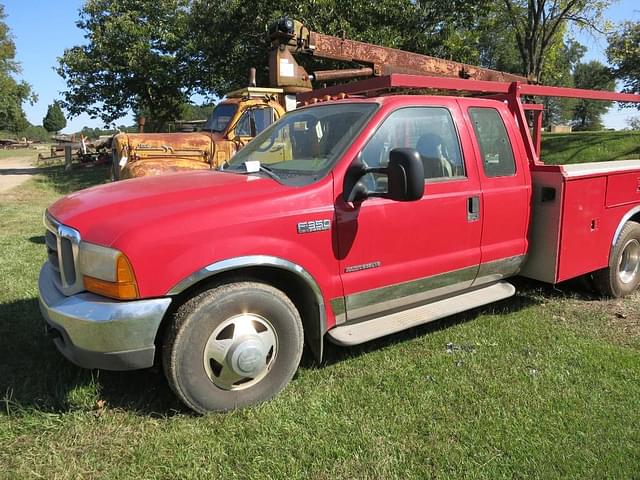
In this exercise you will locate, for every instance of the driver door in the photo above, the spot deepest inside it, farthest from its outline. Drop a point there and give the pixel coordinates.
(398, 254)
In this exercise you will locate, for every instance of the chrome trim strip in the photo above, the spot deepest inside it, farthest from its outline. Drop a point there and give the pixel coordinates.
(247, 261)
(400, 295)
(624, 220)
(425, 289)
(63, 232)
(339, 310)
(499, 269)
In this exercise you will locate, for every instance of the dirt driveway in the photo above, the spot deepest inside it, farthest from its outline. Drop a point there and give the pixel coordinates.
(15, 171)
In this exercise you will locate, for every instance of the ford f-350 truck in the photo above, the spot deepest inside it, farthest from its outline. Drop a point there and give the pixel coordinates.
(348, 219)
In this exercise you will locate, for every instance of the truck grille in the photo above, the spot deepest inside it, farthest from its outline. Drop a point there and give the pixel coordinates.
(62, 253)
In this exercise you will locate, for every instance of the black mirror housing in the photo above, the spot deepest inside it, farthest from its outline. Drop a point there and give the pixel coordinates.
(353, 189)
(406, 175)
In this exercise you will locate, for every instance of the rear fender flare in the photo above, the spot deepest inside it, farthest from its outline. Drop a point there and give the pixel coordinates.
(627, 216)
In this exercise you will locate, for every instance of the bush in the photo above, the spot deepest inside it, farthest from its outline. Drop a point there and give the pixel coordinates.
(36, 134)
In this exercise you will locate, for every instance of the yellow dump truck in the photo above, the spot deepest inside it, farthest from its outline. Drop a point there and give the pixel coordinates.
(234, 121)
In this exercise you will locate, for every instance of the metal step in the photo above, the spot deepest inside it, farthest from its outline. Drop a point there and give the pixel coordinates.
(356, 333)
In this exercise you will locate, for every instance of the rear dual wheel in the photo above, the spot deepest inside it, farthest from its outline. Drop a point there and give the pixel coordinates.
(622, 276)
(233, 346)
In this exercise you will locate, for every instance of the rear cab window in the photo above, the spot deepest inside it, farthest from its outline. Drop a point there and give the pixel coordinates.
(493, 141)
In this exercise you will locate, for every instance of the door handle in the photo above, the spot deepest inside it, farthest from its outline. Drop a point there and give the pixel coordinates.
(473, 208)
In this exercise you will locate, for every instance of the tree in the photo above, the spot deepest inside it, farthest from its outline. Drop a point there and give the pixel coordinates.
(587, 114)
(149, 56)
(634, 123)
(224, 47)
(497, 43)
(13, 93)
(196, 112)
(35, 133)
(538, 23)
(623, 53)
(559, 71)
(54, 120)
(133, 60)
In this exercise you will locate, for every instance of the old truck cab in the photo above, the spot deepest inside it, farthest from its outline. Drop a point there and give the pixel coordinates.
(234, 121)
(345, 221)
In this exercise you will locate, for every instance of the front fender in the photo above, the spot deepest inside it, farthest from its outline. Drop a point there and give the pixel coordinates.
(315, 330)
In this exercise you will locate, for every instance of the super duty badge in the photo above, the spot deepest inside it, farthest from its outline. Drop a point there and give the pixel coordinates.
(314, 226)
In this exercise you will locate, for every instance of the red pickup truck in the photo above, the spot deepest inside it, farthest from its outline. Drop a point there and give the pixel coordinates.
(347, 220)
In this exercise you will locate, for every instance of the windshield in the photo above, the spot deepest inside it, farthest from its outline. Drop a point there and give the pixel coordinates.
(220, 117)
(303, 146)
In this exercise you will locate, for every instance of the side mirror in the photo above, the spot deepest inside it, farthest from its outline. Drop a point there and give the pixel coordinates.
(405, 174)
(405, 178)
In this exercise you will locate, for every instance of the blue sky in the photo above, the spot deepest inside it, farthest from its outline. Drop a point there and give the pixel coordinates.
(43, 29)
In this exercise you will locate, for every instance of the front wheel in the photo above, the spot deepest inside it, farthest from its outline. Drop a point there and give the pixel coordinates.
(232, 346)
(622, 276)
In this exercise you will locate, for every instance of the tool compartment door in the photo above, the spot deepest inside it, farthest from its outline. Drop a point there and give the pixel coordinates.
(576, 212)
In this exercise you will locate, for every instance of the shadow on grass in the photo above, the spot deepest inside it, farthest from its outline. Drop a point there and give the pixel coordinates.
(20, 171)
(35, 376)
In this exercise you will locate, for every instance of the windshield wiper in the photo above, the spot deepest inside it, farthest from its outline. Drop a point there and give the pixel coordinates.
(269, 172)
(259, 168)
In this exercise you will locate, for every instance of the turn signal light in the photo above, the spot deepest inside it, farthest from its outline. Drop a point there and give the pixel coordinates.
(125, 286)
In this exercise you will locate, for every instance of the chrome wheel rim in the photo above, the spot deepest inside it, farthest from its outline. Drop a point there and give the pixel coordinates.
(240, 351)
(629, 262)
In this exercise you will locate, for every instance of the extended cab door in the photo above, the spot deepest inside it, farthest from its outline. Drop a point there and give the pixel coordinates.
(506, 187)
(395, 254)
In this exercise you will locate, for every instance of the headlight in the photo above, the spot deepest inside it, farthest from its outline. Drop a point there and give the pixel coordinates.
(107, 271)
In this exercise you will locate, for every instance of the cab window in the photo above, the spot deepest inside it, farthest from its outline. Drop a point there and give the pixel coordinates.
(495, 148)
(430, 131)
(254, 121)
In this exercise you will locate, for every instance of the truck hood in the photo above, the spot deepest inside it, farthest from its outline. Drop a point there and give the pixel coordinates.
(140, 206)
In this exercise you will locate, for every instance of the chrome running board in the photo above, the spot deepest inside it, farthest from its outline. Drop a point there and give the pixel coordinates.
(360, 332)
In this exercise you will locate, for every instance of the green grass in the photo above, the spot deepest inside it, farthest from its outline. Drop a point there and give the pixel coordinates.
(18, 152)
(544, 385)
(580, 147)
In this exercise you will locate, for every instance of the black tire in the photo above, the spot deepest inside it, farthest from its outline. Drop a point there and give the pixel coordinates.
(193, 326)
(622, 276)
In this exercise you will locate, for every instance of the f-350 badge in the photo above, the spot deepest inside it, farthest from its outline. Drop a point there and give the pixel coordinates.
(314, 226)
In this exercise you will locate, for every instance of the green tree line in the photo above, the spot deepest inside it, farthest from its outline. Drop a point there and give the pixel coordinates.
(151, 56)
(13, 92)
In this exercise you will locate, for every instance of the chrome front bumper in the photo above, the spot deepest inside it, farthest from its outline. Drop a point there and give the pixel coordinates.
(97, 332)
